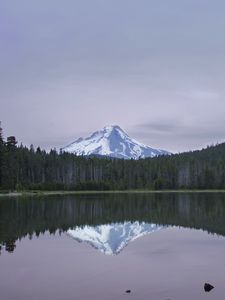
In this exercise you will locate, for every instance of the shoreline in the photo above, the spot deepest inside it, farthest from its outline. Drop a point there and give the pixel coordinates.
(49, 193)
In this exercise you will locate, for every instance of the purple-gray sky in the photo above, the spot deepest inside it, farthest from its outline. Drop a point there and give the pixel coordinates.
(156, 68)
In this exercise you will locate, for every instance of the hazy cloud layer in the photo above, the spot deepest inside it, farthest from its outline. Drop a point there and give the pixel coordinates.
(156, 68)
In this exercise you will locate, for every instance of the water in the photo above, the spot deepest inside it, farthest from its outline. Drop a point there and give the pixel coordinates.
(159, 246)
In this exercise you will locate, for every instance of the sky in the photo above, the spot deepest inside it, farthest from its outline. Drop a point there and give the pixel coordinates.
(154, 67)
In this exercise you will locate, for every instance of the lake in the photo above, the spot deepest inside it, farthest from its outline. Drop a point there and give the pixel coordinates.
(158, 246)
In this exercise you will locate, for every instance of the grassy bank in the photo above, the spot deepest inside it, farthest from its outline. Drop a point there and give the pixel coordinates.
(46, 193)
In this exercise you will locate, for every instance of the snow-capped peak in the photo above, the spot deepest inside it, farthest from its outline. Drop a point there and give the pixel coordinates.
(114, 142)
(112, 238)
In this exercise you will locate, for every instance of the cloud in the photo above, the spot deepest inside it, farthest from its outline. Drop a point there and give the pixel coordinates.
(179, 136)
(153, 67)
(161, 127)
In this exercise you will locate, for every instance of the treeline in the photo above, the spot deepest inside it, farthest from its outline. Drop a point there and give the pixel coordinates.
(28, 168)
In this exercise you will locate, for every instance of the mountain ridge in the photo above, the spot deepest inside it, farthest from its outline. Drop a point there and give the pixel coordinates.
(112, 141)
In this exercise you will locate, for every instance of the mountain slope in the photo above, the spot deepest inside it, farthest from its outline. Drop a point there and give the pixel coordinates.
(114, 142)
(112, 238)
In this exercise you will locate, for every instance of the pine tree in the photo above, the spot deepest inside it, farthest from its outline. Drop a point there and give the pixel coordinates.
(11, 141)
(10, 164)
(1, 134)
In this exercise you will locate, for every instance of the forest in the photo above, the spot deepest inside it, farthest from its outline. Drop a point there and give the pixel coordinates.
(23, 168)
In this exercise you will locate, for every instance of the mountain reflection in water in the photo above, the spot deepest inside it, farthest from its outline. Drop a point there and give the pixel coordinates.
(74, 214)
(112, 238)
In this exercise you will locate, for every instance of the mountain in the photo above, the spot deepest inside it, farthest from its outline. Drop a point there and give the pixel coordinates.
(112, 141)
(112, 238)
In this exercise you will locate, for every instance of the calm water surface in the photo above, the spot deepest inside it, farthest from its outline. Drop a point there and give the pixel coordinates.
(159, 246)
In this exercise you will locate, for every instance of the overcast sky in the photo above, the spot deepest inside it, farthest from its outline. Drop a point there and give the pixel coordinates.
(156, 68)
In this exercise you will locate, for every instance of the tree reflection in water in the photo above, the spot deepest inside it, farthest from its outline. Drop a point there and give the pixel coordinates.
(21, 217)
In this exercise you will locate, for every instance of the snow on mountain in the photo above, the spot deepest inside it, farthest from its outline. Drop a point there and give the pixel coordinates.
(112, 238)
(114, 142)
